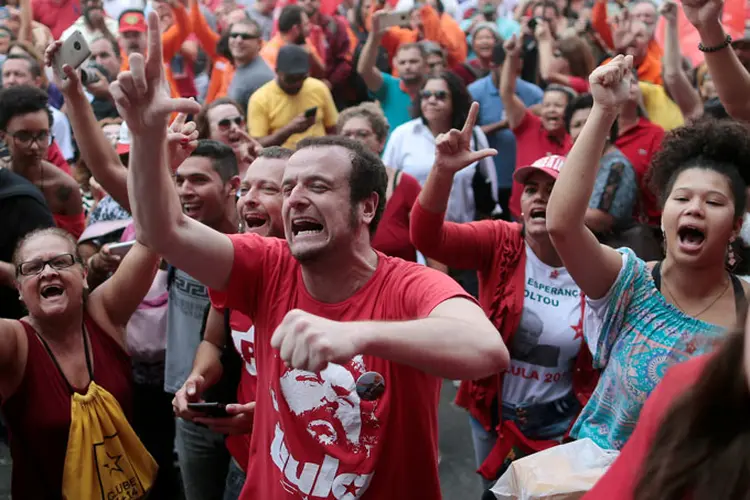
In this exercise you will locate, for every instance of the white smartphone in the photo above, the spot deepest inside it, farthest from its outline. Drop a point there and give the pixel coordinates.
(402, 19)
(121, 249)
(74, 51)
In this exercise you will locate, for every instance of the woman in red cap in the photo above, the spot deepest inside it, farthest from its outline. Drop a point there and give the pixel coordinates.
(531, 299)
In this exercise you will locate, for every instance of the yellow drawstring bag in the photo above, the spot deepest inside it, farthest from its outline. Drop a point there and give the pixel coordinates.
(105, 459)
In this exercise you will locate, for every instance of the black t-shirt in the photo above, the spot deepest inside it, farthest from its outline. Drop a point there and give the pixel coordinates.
(22, 209)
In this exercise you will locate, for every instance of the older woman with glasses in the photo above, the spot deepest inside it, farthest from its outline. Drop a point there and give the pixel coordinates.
(366, 123)
(68, 339)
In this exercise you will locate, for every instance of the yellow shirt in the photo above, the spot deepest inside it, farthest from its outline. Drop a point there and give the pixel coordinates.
(661, 110)
(270, 108)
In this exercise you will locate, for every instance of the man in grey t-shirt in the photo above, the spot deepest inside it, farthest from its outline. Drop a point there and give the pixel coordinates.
(252, 71)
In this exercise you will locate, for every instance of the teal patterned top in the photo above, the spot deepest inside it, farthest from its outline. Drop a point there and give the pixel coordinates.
(634, 336)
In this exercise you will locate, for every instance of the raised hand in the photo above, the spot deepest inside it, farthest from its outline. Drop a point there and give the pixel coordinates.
(250, 148)
(182, 139)
(542, 31)
(453, 149)
(512, 47)
(610, 84)
(701, 13)
(668, 10)
(71, 82)
(141, 94)
(309, 342)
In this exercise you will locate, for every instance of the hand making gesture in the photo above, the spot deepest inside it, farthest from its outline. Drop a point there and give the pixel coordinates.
(453, 149)
(141, 95)
(610, 84)
(702, 13)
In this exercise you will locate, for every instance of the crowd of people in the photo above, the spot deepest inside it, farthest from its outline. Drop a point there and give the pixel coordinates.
(244, 244)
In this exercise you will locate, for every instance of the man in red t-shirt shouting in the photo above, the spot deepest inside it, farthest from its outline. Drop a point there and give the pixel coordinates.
(349, 343)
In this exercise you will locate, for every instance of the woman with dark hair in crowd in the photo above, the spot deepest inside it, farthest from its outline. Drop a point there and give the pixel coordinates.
(367, 124)
(69, 339)
(641, 318)
(616, 188)
(532, 301)
(568, 61)
(536, 136)
(442, 104)
(483, 38)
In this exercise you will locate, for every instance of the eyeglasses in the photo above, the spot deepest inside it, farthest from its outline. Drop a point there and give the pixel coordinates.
(59, 262)
(440, 95)
(26, 138)
(244, 36)
(357, 134)
(226, 123)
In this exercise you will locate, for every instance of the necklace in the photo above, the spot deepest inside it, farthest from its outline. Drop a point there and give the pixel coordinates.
(709, 306)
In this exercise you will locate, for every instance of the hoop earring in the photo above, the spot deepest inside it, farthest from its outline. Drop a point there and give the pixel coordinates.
(731, 255)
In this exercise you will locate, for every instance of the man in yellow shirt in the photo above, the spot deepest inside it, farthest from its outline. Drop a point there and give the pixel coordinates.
(293, 106)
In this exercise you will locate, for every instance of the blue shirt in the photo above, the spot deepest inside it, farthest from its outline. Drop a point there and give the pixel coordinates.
(395, 102)
(491, 110)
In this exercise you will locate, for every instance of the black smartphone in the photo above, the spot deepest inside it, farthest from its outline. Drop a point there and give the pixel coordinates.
(309, 113)
(209, 409)
(533, 22)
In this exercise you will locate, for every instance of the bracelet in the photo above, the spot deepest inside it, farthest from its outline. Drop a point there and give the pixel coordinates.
(717, 48)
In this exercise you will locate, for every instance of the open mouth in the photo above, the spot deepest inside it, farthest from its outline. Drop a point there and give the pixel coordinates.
(538, 213)
(190, 209)
(253, 221)
(302, 227)
(691, 236)
(49, 291)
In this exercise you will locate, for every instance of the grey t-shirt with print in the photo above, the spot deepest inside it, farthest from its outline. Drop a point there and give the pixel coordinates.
(187, 304)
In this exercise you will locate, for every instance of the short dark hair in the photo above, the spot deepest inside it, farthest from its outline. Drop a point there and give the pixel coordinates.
(368, 172)
(113, 44)
(22, 100)
(201, 119)
(275, 153)
(290, 16)
(34, 67)
(413, 45)
(546, 4)
(719, 145)
(460, 98)
(222, 158)
(586, 101)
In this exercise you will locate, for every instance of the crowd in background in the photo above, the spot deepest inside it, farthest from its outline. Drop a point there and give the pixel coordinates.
(567, 176)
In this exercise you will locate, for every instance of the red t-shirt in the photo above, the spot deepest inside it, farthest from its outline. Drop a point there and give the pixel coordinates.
(55, 157)
(622, 477)
(313, 436)
(533, 142)
(243, 338)
(392, 237)
(639, 144)
(57, 15)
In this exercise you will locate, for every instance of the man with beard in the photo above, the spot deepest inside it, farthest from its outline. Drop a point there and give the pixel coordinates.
(259, 208)
(92, 23)
(294, 29)
(293, 106)
(132, 32)
(394, 94)
(323, 297)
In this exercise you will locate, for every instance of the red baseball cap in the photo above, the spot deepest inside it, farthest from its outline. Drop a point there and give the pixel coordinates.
(550, 165)
(132, 20)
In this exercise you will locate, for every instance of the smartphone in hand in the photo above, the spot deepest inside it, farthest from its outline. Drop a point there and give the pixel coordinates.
(310, 113)
(216, 410)
(73, 52)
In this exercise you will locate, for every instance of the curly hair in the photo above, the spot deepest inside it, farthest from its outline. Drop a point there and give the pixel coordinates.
(371, 112)
(719, 145)
(22, 100)
(460, 98)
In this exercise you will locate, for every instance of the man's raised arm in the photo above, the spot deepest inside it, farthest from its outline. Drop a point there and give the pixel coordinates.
(145, 105)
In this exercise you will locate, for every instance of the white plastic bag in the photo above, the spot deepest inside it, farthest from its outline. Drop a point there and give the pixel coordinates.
(564, 472)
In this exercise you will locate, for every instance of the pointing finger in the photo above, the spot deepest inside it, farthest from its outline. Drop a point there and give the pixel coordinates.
(138, 70)
(155, 61)
(471, 120)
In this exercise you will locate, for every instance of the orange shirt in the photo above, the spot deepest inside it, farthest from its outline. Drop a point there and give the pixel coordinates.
(601, 26)
(222, 70)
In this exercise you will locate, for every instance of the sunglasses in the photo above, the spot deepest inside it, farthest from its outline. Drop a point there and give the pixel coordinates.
(226, 123)
(244, 36)
(34, 267)
(440, 95)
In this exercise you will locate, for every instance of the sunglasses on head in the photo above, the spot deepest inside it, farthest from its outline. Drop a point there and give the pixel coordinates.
(227, 122)
(440, 95)
(244, 36)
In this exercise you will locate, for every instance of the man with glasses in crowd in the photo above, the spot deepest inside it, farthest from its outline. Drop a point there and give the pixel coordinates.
(251, 71)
